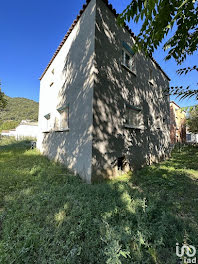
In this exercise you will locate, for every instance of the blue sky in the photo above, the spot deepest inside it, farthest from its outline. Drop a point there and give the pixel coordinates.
(31, 31)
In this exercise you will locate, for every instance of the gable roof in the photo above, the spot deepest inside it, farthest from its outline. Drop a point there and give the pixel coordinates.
(172, 102)
(182, 110)
(75, 22)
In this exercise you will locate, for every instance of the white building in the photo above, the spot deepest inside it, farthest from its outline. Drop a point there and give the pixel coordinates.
(26, 129)
(102, 107)
(191, 138)
(8, 133)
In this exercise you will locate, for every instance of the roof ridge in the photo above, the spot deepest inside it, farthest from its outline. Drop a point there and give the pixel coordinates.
(75, 22)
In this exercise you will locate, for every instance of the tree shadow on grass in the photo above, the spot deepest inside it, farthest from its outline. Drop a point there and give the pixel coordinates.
(186, 158)
(13, 145)
(53, 217)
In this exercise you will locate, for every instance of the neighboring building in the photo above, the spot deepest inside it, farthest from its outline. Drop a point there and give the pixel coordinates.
(177, 123)
(26, 129)
(8, 133)
(191, 137)
(103, 109)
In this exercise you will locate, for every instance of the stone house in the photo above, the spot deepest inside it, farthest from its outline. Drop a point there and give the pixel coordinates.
(177, 124)
(103, 109)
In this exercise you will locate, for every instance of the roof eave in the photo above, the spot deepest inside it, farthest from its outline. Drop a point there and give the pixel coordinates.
(75, 22)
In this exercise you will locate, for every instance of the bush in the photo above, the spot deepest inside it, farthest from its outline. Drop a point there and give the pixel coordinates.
(8, 125)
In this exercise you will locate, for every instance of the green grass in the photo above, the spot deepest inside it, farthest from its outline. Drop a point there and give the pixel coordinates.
(49, 216)
(7, 125)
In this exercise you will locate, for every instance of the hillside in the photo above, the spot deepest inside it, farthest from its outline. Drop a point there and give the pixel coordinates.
(16, 110)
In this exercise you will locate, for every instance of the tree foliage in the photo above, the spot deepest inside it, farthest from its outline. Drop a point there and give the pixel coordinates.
(161, 17)
(192, 120)
(3, 101)
(187, 92)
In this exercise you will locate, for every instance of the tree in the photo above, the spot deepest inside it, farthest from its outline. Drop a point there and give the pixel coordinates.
(192, 120)
(3, 101)
(159, 18)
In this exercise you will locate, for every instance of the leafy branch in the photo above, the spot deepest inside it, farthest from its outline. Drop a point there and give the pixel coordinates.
(160, 17)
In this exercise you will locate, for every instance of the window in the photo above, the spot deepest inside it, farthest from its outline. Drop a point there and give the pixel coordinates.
(133, 117)
(56, 123)
(120, 163)
(63, 118)
(158, 125)
(47, 122)
(188, 137)
(128, 61)
(151, 76)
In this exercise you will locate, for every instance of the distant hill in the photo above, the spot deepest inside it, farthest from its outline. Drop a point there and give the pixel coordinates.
(16, 110)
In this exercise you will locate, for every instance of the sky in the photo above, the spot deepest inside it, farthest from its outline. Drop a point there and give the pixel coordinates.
(30, 32)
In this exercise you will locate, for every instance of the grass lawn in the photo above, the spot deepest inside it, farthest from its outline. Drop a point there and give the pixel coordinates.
(49, 216)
